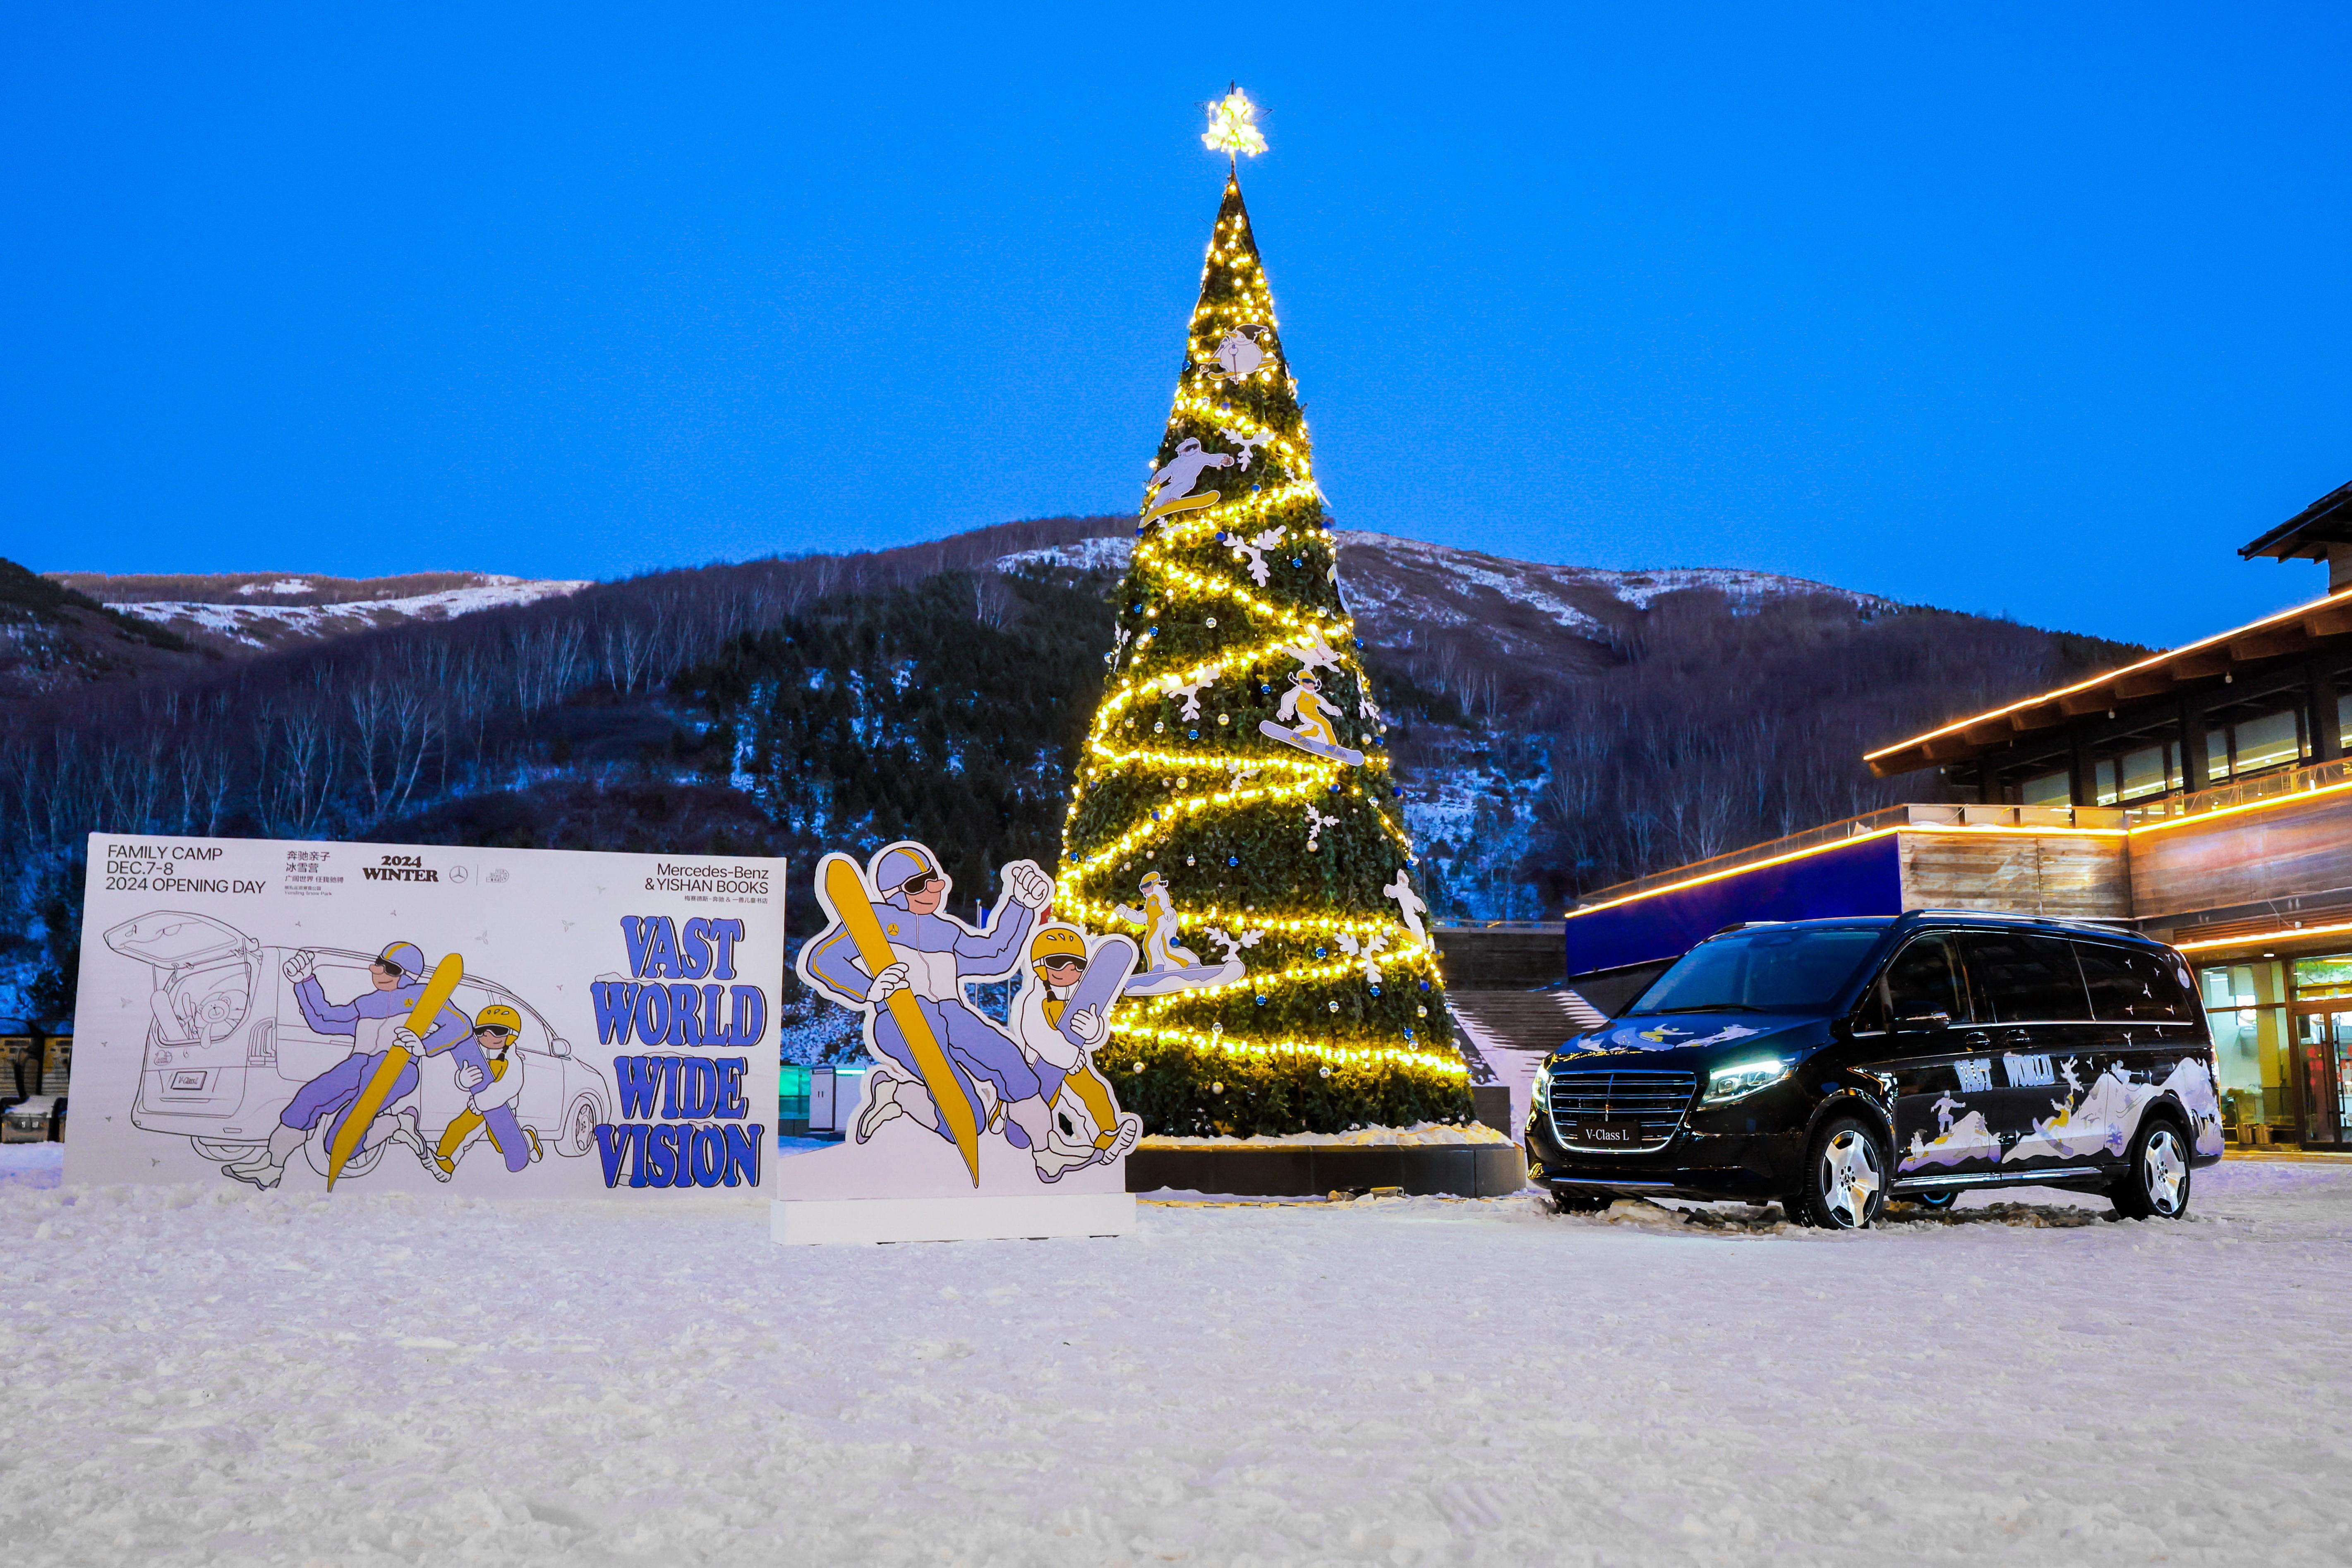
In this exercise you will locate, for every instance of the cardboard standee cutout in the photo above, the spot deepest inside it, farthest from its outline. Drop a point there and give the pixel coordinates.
(1043, 1124)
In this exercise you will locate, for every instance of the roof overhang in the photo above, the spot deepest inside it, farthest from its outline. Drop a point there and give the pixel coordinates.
(2309, 533)
(2291, 631)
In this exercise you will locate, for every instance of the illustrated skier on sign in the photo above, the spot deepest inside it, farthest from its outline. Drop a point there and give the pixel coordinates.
(492, 1083)
(1063, 1016)
(933, 956)
(376, 1022)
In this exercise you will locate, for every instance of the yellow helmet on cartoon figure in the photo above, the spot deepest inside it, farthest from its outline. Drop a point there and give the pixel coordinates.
(499, 1015)
(1053, 943)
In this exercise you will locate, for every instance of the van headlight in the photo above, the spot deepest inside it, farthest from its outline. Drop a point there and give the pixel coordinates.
(1543, 1083)
(1742, 1079)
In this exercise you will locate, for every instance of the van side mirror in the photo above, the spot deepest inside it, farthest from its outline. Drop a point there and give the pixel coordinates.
(1923, 1022)
(558, 1047)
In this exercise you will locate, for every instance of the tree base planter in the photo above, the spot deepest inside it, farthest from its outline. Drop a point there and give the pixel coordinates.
(1312, 1170)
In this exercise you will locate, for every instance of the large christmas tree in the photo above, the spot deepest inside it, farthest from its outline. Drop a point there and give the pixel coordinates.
(1234, 807)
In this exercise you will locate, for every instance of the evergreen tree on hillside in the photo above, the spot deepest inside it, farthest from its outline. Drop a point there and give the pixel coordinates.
(1234, 805)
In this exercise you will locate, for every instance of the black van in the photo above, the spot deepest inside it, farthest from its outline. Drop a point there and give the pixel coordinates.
(1832, 1064)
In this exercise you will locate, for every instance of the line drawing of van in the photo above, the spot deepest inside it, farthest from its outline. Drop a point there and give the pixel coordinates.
(227, 1046)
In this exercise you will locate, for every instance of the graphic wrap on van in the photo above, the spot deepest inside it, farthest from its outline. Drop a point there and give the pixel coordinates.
(1911, 1056)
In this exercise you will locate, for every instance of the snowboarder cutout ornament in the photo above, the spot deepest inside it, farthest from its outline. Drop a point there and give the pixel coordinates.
(1171, 487)
(1310, 715)
(968, 1127)
(1170, 966)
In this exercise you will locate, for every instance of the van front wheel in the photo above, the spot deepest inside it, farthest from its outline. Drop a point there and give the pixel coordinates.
(1846, 1178)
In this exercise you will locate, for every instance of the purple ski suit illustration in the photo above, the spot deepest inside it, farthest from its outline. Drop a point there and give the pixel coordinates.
(935, 956)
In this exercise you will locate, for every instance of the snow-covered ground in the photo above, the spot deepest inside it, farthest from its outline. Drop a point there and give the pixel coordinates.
(263, 626)
(213, 1375)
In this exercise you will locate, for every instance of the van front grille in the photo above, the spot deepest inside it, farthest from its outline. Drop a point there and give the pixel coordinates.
(1653, 1103)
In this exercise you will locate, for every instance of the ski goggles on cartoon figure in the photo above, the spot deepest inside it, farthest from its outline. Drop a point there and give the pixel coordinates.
(1062, 963)
(496, 1034)
(922, 883)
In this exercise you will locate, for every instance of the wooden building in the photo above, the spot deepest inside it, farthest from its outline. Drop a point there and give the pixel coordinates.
(2203, 795)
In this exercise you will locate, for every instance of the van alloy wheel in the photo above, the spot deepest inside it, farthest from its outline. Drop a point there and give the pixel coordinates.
(1850, 1176)
(1845, 1178)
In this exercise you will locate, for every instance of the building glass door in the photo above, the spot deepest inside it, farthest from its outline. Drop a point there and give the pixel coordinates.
(2323, 1008)
(2254, 1050)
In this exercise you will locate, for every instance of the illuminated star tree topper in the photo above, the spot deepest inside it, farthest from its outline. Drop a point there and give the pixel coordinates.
(1232, 126)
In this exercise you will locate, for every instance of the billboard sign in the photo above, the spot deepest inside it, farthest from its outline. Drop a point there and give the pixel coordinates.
(528, 1023)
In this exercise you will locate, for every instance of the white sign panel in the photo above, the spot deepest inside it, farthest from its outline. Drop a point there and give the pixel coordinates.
(529, 1023)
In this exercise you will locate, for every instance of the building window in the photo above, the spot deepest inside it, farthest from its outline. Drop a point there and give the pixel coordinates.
(2138, 774)
(2046, 789)
(2252, 1047)
(2255, 745)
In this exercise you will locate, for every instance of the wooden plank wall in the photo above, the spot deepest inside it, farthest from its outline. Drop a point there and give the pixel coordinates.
(2282, 851)
(2071, 876)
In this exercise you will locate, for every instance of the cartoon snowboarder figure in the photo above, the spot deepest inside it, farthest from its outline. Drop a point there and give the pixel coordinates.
(1062, 1017)
(1311, 714)
(492, 1082)
(932, 957)
(1171, 487)
(1410, 908)
(1945, 1110)
(1169, 966)
(376, 1021)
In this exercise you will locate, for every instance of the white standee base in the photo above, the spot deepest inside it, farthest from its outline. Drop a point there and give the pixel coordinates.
(837, 1222)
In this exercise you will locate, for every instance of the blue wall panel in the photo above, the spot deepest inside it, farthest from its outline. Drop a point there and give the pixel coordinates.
(1862, 879)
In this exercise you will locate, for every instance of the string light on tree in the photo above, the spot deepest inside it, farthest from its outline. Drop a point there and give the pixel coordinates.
(1235, 770)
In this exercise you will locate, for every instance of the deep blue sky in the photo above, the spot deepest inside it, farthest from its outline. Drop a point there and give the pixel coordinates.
(2043, 309)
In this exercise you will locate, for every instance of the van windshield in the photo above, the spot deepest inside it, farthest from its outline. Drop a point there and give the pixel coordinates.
(1767, 971)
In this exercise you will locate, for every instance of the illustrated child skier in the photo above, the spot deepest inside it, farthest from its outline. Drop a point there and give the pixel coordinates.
(933, 956)
(1059, 1020)
(376, 1020)
(492, 1082)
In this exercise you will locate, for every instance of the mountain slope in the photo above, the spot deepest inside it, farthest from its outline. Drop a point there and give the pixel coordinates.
(1555, 729)
(243, 612)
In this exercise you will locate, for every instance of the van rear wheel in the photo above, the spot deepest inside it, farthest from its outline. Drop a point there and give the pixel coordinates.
(1844, 1177)
(2155, 1183)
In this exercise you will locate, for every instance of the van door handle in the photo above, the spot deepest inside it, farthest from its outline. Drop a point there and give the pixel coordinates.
(1976, 1040)
(2016, 1038)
